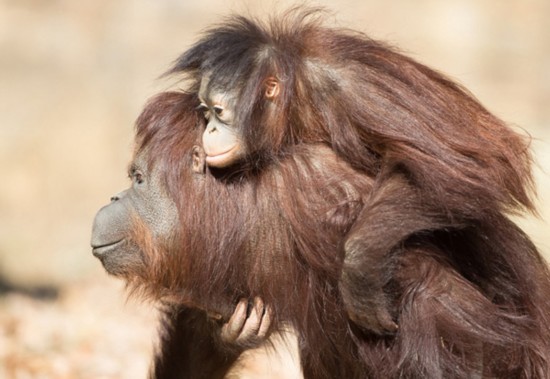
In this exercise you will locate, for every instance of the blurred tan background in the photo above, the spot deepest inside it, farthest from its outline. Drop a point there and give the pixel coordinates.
(74, 76)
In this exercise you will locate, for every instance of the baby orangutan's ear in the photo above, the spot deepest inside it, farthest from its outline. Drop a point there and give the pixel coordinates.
(272, 88)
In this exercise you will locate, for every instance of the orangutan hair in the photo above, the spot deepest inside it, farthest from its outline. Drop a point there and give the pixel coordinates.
(369, 207)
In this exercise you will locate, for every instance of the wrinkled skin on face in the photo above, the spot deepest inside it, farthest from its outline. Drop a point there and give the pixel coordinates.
(145, 207)
(221, 141)
(144, 203)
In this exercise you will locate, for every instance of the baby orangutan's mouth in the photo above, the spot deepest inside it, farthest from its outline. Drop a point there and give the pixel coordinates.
(223, 158)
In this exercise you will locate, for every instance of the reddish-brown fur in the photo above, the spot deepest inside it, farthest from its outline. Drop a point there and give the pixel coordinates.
(466, 300)
(427, 143)
(277, 236)
(368, 171)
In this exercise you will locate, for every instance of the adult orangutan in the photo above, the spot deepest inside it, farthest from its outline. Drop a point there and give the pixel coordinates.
(359, 194)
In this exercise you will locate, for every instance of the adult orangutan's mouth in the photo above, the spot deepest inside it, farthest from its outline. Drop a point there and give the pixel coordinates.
(100, 250)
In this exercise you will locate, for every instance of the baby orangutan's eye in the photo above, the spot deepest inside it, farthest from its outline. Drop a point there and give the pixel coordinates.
(218, 110)
(202, 107)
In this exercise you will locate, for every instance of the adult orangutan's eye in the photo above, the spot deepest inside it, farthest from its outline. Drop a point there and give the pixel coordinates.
(137, 177)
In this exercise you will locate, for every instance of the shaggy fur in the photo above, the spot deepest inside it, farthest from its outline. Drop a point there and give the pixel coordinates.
(427, 142)
(469, 301)
(374, 186)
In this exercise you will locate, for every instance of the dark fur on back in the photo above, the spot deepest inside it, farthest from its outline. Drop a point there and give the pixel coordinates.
(374, 106)
(467, 300)
(361, 142)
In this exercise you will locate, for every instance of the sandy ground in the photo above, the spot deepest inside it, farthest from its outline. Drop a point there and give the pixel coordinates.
(73, 77)
(88, 331)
